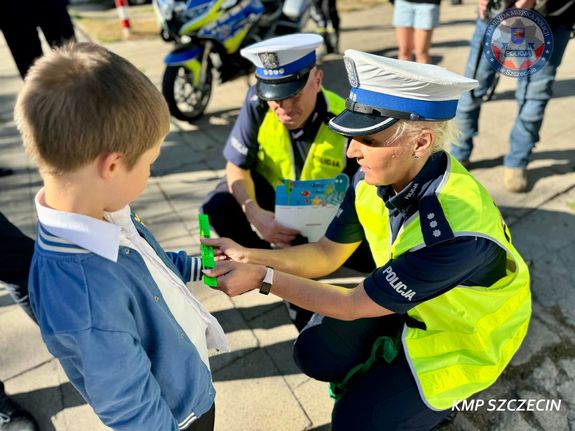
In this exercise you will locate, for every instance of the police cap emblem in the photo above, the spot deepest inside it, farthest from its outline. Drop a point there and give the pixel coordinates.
(351, 72)
(269, 60)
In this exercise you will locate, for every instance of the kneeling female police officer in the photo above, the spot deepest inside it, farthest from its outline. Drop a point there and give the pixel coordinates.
(449, 304)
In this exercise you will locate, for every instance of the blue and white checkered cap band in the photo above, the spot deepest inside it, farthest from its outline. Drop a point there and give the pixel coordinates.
(287, 69)
(424, 109)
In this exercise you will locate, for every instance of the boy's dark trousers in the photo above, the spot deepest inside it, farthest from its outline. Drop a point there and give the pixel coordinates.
(205, 422)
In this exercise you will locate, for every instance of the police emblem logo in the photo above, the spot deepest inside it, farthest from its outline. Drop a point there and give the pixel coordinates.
(269, 60)
(351, 72)
(518, 42)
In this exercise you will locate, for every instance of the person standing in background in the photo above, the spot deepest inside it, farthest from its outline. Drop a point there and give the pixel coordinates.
(16, 251)
(19, 21)
(325, 15)
(414, 21)
(532, 93)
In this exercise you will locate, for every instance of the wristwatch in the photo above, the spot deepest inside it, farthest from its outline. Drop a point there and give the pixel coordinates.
(267, 281)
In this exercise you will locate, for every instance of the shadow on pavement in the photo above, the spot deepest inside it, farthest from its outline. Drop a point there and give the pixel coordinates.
(44, 404)
(450, 44)
(562, 88)
(458, 22)
(349, 29)
(562, 164)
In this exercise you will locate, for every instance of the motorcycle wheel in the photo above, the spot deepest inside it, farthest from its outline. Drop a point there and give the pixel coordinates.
(186, 101)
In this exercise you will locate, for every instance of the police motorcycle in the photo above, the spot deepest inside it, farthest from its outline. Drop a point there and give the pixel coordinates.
(209, 35)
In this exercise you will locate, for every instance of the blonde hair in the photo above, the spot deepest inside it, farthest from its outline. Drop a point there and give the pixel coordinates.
(444, 132)
(81, 101)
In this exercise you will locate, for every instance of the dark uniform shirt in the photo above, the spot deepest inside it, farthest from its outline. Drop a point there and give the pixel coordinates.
(429, 271)
(242, 145)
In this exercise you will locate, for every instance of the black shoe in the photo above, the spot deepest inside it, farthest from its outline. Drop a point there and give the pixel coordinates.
(4, 172)
(13, 417)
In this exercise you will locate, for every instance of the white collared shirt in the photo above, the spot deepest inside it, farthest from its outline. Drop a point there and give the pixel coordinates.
(104, 239)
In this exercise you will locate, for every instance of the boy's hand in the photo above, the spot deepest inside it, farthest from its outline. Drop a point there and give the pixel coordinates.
(225, 248)
(235, 278)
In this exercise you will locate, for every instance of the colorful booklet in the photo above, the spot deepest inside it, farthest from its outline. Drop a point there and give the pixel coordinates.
(310, 205)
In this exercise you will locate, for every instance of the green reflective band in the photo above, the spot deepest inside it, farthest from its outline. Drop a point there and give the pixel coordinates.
(384, 348)
(207, 251)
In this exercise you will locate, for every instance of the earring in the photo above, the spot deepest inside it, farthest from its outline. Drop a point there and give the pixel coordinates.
(415, 156)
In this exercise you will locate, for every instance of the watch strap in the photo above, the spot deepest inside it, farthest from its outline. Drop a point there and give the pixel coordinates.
(266, 285)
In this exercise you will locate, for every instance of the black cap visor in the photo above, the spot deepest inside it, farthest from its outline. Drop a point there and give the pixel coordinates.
(350, 123)
(280, 89)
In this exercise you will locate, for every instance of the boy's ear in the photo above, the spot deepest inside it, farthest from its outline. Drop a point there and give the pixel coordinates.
(109, 164)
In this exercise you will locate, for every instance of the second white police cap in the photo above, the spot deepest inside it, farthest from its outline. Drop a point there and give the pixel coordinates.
(283, 64)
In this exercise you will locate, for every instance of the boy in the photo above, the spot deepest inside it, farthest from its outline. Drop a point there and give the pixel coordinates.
(112, 306)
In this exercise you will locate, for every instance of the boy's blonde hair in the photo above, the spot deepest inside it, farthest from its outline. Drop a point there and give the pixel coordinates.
(81, 101)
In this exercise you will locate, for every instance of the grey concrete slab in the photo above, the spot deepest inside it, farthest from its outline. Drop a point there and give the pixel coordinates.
(547, 420)
(318, 405)
(54, 403)
(256, 397)
(253, 305)
(276, 333)
(258, 386)
(22, 348)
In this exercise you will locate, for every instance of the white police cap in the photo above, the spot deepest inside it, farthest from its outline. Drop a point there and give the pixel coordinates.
(385, 90)
(283, 64)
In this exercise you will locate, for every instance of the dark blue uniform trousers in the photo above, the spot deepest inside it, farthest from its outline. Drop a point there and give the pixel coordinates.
(386, 397)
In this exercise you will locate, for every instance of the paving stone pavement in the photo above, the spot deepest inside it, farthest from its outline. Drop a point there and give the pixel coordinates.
(258, 385)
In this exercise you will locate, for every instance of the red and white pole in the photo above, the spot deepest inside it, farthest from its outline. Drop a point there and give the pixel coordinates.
(122, 6)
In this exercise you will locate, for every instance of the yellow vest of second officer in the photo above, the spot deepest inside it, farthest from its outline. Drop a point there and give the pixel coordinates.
(326, 157)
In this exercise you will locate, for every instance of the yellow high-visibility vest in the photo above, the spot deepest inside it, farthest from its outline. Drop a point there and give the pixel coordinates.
(471, 332)
(326, 157)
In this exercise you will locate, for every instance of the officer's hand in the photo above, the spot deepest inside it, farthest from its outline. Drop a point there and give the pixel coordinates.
(225, 248)
(270, 230)
(482, 7)
(524, 4)
(235, 278)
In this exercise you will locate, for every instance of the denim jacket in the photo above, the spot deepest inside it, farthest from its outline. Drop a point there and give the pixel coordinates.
(114, 335)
